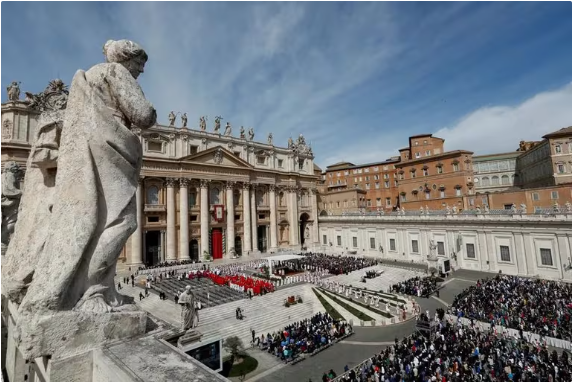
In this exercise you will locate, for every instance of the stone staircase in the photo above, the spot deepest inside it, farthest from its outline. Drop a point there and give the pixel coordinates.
(348, 316)
(390, 277)
(378, 317)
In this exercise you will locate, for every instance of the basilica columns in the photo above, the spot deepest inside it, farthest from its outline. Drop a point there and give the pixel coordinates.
(253, 219)
(230, 217)
(171, 254)
(246, 219)
(137, 250)
(315, 216)
(293, 216)
(183, 220)
(204, 217)
(273, 217)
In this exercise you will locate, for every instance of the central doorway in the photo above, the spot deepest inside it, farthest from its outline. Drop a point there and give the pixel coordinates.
(194, 250)
(262, 238)
(217, 243)
(303, 227)
(152, 244)
(238, 249)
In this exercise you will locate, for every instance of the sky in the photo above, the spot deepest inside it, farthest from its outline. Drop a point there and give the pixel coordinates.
(356, 79)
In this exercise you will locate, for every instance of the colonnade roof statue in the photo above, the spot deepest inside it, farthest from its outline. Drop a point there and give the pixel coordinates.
(61, 260)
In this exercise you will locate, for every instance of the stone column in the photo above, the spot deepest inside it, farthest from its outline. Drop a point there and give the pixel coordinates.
(272, 217)
(204, 216)
(171, 254)
(136, 257)
(162, 245)
(246, 219)
(315, 217)
(293, 216)
(230, 217)
(564, 256)
(253, 220)
(183, 219)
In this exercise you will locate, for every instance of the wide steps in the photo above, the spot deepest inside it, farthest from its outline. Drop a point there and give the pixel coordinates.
(348, 316)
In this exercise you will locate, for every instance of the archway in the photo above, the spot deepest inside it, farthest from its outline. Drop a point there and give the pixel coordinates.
(238, 248)
(304, 231)
(194, 250)
(152, 250)
(323, 213)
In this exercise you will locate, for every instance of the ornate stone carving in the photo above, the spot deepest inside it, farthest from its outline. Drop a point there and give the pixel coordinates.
(230, 185)
(270, 139)
(7, 129)
(171, 137)
(85, 218)
(204, 141)
(251, 134)
(272, 188)
(218, 156)
(11, 194)
(227, 129)
(203, 123)
(184, 120)
(184, 182)
(13, 91)
(230, 144)
(171, 118)
(246, 185)
(300, 147)
(184, 137)
(53, 98)
(204, 183)
(217, 124)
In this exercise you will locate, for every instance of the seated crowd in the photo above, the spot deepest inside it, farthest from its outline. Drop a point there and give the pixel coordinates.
(538, 306)
(304, 336)
(463, 354)
(416, 286)
(336, 265)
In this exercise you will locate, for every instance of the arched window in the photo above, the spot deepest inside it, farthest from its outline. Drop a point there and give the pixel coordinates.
(495, 181)
(236, 197)
(152, 195)
(192, 199)
(505, 179)
(260, 196)
(282, 199)
(485, 181)
(215, 196)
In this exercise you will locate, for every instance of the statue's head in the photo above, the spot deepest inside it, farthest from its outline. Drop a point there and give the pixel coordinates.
(128, 53)
(11, 166)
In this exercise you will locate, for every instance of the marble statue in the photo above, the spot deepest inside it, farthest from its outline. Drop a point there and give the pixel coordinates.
(403, 212)
(307, 233)
(270, 139)
(454, 209)
(14, 91)
(184, 120)
(11, 194)
(227, 129)
(94, 208)
(432, 248)
(189, 313)
(422, 210)
(290, 143)
(217, 125)
(171, 118)
(448, 211)
(523, 208)
(242, 132)
(568, 206)
(513, 208)
(556, 207)
(427, 210)
(251, 134)
(202, 123)
(478, 210)
(486, 209)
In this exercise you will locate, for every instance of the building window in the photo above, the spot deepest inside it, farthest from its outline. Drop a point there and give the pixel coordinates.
(495, 181)
(425, 172)
(388, 202)
(154, 146)
(367, 178)
(192, 199)
(301, 164)
(558, 149)
(153, 219)
(415, 246)
(439, 169)
(377, 185)
(427, 153)
(546, 257)
(505, 253)
(413, 173)
(505, 179)
(427, 194)
(403, 197)
(387, 184)
(470, 251)
(324, 239)
(152, 195)
(367, 186)
(442, 193)
(215, 196)
(392, 245)
(561, 169)
(440, 248)
(355, 242)
(417, 155)
(192, 149)
(508, 206)
(554, 195)
(372, 243)
(280, 163)
(535, 196)
(458, 191)
(339, 241)
(455, 167)
(485, 181)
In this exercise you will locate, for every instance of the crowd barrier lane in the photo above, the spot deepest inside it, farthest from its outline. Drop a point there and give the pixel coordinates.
(528, 336)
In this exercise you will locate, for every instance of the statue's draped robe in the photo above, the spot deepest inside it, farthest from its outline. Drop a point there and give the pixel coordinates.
(94, 210)
(189, 315)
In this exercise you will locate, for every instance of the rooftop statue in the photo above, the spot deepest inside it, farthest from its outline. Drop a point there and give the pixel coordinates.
(171, 118)
(227, 129)
(13, 91)
(202, 123)
(184, 120)
(217, 125)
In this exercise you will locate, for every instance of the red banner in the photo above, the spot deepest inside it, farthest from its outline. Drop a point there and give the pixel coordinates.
(218, 213)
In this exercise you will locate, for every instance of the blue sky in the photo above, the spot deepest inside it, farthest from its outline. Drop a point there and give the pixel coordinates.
(355, 78)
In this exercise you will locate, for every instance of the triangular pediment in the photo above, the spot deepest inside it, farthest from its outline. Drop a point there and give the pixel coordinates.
(217, 156)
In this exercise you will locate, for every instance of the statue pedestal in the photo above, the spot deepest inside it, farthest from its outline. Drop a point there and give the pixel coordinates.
(189, 337)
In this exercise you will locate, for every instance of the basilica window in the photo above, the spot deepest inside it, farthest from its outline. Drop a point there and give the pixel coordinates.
(215, 196)
(505, 253)
(505, 179)
(546, 257)
(495, 180)
(470, 251)
(485, 181)
(192, 199)
(152, 195)
(281, 199)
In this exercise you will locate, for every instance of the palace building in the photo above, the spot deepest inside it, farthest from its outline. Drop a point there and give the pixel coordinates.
(204, 193)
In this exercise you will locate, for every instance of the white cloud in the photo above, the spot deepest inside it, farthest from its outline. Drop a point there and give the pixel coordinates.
(494, 129)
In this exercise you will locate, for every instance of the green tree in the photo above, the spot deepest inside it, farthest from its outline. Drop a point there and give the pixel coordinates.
(233, 345)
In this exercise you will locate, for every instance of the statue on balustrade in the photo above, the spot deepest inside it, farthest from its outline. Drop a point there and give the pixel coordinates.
(251, 134)
(227, 129)
(13, 91)
(242, 132)
(270, 138)
(290, 143)
(217, 125)
(11, 194)
(171, 118)
(568, 206)
(90, 211)
(202, 123)
(189, 313)
(184, 120)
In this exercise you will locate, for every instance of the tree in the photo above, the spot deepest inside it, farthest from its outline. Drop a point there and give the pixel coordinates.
(233, 345)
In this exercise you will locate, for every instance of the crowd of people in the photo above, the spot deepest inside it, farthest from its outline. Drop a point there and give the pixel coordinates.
(416, 286)
(463, 353)
(530, 305)
(335, 265)
(304, 336)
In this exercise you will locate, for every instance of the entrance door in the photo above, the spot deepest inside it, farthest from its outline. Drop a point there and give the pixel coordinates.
(238, 249)
(152, 243)
(262, 238)
(217, 243)
(194, 250)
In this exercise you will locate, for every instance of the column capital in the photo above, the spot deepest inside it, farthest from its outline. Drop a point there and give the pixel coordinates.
(184, 182)
(314, 191)
(272, 188)
(204, 183)
(246, 185)
(230, 185)
(170, 182)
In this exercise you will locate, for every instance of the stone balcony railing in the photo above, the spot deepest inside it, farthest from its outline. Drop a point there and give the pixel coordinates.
(154, 208)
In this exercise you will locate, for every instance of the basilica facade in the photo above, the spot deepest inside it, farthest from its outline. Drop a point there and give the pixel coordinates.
(203, 193)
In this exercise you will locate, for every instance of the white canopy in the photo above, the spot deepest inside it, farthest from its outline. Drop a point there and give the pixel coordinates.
(283, 257)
